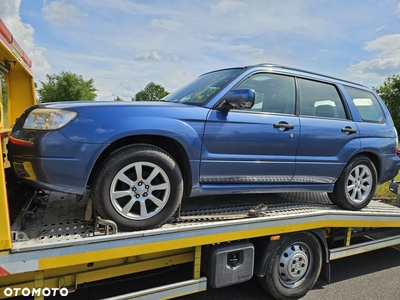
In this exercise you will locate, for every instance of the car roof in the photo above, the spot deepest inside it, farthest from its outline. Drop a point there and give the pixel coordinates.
(297, 71)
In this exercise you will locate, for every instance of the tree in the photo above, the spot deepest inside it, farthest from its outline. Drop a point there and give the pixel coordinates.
(390, 94)
(151, 92)
(66, 86)
(4, 99)
(3, 92)
(118, 98)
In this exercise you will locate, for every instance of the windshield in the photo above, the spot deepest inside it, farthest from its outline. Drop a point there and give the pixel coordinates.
(203, 88)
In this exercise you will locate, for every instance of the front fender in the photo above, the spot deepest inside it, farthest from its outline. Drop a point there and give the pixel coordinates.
(186, 127)
(189, 135)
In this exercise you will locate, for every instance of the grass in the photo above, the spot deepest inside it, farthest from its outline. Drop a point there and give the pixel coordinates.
(383, 190)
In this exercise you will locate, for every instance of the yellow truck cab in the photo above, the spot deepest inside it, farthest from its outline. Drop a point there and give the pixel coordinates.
(15, 66)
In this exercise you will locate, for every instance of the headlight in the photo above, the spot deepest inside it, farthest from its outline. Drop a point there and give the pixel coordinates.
(48, 118)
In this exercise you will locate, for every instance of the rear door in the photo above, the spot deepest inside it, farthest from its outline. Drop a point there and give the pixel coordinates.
(328, 135)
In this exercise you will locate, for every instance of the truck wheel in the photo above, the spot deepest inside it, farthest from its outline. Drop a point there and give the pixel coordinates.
(293, 266)
(138, 187)
(356, 185)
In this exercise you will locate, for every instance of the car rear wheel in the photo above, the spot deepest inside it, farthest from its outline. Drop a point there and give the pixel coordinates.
(138, 187)
(356, 185)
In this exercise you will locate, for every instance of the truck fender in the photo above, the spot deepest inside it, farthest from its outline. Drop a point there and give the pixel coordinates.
(325, 274)
(264, 247)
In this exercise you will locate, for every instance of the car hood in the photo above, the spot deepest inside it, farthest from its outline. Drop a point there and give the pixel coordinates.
(79, 104)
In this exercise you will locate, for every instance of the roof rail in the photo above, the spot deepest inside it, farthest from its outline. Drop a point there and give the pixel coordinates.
(306, 71)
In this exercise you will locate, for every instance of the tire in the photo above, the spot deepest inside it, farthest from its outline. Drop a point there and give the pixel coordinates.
(356, 185)
(138, 187)
(293, 266)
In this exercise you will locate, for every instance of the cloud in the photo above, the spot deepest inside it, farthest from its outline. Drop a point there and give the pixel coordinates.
(165, 24)
(149, 56)
(60, 13)
(24, 34)
(264, 16)
(386, 60)
(9, 9)
(380, 28)
(226, 6)
(387, 44)
(125, 44)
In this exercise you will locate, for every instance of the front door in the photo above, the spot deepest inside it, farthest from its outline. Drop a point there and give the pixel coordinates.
(257, 145)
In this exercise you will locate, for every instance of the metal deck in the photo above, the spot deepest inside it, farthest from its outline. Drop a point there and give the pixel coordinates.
(54, 219)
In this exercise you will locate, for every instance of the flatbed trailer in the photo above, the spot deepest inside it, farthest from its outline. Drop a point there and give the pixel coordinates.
(51, 244)
(227, 239)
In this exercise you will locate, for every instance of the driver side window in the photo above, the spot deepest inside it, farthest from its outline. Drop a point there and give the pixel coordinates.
(274, 93)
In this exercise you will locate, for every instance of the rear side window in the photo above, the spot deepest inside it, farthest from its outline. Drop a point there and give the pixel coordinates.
(320, 100)
(367, 105)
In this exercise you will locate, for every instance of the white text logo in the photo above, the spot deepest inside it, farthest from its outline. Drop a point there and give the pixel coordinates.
(14, 292)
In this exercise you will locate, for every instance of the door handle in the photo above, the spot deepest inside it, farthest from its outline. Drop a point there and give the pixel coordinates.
(348, 130)
(283, 126)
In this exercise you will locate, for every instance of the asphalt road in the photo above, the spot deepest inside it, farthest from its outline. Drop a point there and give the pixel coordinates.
(374, 275)
(369, 276)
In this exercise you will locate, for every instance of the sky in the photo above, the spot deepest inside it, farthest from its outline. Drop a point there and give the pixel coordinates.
(125, 44)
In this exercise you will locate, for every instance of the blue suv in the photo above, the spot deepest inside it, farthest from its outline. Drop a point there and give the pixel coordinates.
(255, 129)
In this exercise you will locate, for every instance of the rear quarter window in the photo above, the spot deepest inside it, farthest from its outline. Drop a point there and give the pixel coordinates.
(367, 105)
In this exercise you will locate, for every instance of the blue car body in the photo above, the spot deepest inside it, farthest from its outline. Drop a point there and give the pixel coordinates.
(219, 151)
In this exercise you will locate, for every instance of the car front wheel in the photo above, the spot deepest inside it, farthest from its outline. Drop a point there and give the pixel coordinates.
(138, 187)
(356, 185)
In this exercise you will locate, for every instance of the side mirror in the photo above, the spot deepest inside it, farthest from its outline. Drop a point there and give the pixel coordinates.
(237, 99)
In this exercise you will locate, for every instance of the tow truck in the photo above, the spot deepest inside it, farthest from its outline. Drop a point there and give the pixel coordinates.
(53, 243)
